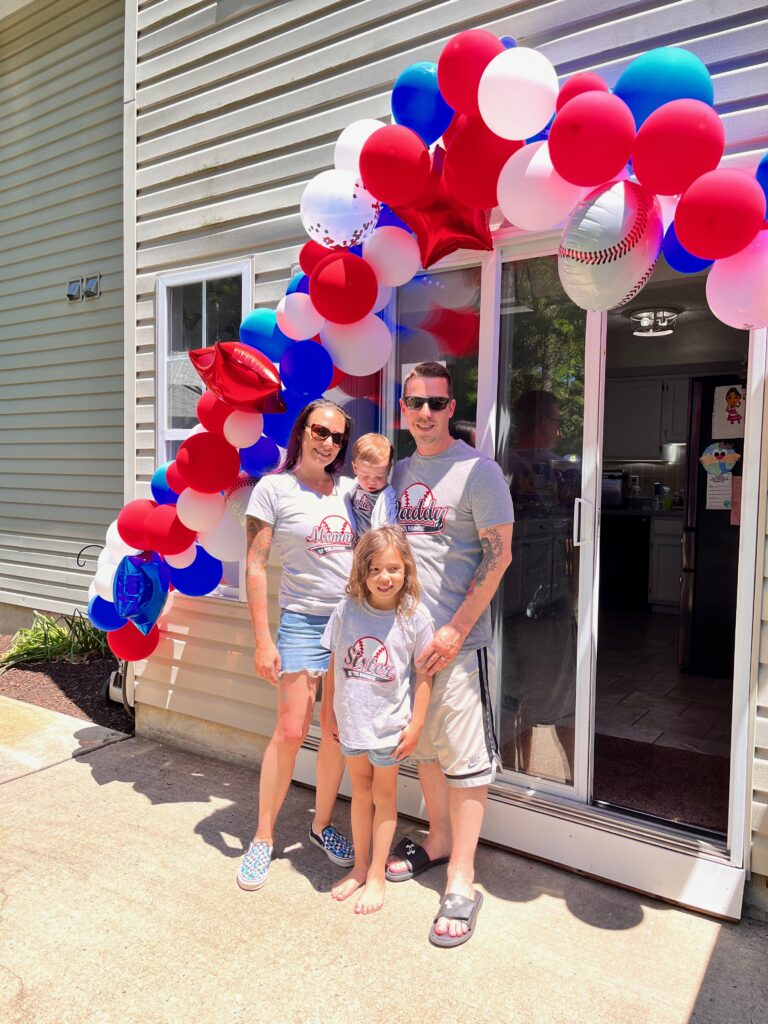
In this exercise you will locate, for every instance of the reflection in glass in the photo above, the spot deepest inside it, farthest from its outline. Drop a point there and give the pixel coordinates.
(223, 309)
(438, 318)
(541, 413)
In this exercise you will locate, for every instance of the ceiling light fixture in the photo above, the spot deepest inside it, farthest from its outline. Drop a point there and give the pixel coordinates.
(653, 323)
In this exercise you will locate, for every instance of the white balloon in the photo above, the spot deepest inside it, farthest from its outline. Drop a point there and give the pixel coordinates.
(183, 559)
(116, 544)
(532, 195)
(346, 155)
(360, 348)
(383, 298)
(102, 581)
(393, 254)
(92, 591)
(199, 429)
(297, 318)
(517, 93)
(242, 429)
(336, 210)
(736, 286)
(107, 556)
(225, 541)
(200, 511)
(610, 246)
(169, 602)
(668, 206)
(454, 289)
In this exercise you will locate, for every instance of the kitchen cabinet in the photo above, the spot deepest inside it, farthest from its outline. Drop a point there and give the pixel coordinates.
(642, 414)
(666, 562)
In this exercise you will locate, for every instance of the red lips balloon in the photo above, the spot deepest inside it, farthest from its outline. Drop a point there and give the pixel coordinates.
(240, 376)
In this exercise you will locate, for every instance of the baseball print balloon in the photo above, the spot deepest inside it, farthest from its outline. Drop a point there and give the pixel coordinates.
(610, 246)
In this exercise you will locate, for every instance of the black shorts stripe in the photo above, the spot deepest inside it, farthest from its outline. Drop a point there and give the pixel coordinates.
(485, 698)
(470, 775)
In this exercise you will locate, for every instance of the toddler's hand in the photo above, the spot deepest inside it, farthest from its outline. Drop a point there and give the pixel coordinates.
(409, 737)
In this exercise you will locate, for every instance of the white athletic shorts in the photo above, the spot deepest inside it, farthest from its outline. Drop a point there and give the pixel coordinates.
(458, 731)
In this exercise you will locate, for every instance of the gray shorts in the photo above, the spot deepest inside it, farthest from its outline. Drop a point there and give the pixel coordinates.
(458, 732)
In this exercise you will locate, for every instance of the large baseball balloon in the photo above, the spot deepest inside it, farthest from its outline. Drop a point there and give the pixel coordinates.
(610, 246)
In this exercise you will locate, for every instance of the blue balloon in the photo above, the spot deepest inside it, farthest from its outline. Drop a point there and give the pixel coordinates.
(762, 174)
(388, 218)
(306, 369)
(200, 578)
(660, 76)
(260, 457)
(508, 42)
(418, 104)
(260, 330)
(103, 614)
(277, 425)
(356, 250)
(140, 588)
(162, 492)
(680, 259)
(543, 135)
(298, 283)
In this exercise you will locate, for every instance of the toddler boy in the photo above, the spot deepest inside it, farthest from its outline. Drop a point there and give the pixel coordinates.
(371, 499)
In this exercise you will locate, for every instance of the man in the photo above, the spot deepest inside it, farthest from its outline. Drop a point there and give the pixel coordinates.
(455, 506)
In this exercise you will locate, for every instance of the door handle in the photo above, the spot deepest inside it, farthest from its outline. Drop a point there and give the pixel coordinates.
(578, 518)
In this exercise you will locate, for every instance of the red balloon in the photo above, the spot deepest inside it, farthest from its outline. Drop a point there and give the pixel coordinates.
(720, 213)
(239, 375)
(457, 330)
(212, 412)
(166, 533)
(174, 479)
(585, 81)
(131, 522)
(473, 162)
(368, 386)
(394, 164)
(450, 133)
(445, 225)
(343, 288)
(310, 255)
(208, 463)
(129, 644)
(461, 65)
(676, 144)
(591, 138)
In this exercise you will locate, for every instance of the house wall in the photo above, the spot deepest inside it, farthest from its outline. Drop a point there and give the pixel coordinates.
(61, 363)
(238, 104)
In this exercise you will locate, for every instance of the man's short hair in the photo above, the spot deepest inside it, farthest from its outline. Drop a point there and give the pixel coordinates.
(373, 448)
(531, 407)
(429, 369)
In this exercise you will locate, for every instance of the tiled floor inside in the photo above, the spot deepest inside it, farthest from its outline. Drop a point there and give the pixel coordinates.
(642, 694)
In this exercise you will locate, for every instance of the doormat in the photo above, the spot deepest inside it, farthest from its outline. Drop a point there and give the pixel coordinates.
(678, 785)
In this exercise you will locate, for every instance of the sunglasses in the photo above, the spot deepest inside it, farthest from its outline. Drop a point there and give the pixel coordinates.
(415, 403)
(321, 433)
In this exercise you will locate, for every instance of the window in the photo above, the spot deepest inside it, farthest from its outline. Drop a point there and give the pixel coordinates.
(195, 309)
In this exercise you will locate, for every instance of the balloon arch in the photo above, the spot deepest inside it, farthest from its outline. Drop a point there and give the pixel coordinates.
(633, 172)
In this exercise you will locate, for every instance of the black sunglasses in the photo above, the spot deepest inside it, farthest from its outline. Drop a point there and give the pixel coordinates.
(435, 403)
(321, 433)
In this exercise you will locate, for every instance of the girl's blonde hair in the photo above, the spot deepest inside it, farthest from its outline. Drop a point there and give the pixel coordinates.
(373, 543)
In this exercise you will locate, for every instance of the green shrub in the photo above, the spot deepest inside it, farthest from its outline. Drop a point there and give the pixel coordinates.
(69, 638)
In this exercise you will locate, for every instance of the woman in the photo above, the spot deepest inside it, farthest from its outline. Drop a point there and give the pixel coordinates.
(300, 510)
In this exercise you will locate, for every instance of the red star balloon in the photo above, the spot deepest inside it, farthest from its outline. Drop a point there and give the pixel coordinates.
(441, 224)
(240, 376)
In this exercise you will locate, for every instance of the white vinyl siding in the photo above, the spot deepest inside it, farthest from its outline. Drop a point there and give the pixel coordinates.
(61, 363)
(238, 104)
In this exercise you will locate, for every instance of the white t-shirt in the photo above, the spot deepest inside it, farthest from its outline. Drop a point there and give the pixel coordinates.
(312, 537)
(372, 667)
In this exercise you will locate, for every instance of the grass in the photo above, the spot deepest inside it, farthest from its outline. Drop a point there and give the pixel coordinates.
(68, 638)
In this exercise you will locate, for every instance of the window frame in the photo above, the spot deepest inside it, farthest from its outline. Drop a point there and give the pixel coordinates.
(242, 268)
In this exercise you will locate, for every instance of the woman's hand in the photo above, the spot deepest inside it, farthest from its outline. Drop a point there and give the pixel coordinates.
(266, 661)
(443, 648)
(409, 737)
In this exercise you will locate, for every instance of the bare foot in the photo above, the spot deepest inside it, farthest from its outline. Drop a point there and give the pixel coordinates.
(448, 925)
(371, 898)
(434, 849)
(349, 883)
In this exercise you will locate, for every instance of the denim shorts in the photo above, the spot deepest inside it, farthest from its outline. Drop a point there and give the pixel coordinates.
(379, 758)
(298, 642)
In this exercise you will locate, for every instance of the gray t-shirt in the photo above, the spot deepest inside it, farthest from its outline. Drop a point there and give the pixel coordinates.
(312, 537)
(442, 502)
(373, 653)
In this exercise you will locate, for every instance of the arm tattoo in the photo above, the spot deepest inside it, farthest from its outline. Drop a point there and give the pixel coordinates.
(491, 545)
(259, 543)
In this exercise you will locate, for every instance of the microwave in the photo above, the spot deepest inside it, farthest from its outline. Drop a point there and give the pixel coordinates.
(615, 490)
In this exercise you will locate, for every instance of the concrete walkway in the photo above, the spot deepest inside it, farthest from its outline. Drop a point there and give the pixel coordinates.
(119, 904)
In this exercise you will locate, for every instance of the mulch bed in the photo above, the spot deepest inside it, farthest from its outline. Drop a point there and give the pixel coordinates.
(71, 689)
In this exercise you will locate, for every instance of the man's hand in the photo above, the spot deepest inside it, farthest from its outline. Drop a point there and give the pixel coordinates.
(441, 650)
(266, 661)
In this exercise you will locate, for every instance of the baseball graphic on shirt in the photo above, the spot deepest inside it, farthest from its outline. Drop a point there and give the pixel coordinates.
(419, 512)
(372, 650)
(415, 494)
(335, 524)
(334, 534)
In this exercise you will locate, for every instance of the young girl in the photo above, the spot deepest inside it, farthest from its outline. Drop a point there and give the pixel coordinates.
(374, 634)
